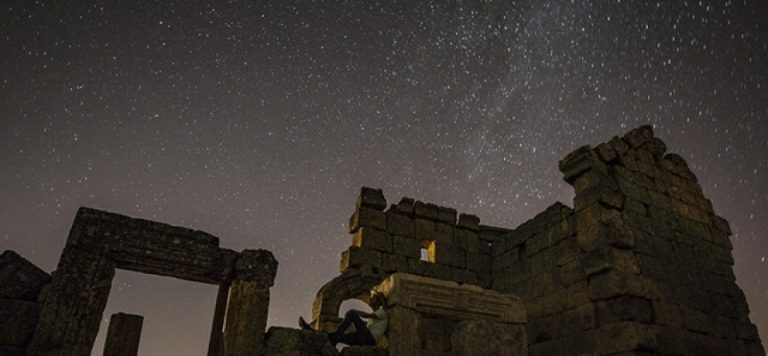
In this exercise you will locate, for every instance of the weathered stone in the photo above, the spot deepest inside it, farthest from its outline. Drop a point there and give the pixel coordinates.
(425, 210)
(123, 335)
(372, 198)
(19, 278)
(246, 318)
(367, 217)
(362, 351)
(356, 257)
(578, 162)
(258, 266)
(637, 137)
(399, 224)
(406, 246)
(19, 318)
(471, 222)
(293, 342)
(485, 338)
(447, 215)
(605, 152)
(373, 239)
(625, 336)
(626, 308)
(391, 263)
(405, 206)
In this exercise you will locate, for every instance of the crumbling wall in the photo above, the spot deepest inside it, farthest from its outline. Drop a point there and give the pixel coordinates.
(429, 316)
(20, 285)
(99, 242)
(387, 241)
(640, 264)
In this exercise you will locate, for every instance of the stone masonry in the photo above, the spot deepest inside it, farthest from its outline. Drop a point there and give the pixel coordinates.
(640, 265)
(99, 242)
(431, 317)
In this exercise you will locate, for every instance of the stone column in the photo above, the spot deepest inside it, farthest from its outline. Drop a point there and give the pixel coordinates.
(123, 335)
(246, 318)
(72, 306)
(216, 344)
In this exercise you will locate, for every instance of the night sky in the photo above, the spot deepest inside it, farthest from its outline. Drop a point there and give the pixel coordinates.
(258, 121)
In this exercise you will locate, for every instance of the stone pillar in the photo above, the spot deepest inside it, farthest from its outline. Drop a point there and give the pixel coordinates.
(216, 344)
(123, 335)
(72, 307)
(246, 318)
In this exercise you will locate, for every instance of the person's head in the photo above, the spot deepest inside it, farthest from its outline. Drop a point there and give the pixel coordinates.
(378, 300)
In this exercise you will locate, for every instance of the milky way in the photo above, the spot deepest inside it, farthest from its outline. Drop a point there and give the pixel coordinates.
(258, 121)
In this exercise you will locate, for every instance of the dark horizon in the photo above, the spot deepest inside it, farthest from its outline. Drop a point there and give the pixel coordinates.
(259, 121)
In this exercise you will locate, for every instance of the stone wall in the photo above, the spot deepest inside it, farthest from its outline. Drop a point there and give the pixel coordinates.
(429, 316)
(20, 285)
(100, 242)
(410, 237)
(640, 264)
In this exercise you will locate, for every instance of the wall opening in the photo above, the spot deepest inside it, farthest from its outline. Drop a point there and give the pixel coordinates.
(428, 250)
(177, 314)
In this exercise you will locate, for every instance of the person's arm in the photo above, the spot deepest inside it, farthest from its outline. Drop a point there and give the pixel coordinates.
(363, 314)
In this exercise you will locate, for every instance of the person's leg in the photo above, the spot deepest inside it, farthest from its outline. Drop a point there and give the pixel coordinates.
(362, 336)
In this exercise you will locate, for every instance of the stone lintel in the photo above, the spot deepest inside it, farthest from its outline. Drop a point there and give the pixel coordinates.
(449, 300)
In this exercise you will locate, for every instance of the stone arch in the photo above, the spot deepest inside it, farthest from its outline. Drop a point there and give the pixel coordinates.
(351, 284)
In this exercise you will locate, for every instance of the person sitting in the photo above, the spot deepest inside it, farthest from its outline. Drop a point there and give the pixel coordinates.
(366, 333)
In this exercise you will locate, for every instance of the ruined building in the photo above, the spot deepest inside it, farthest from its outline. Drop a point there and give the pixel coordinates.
(640, 265)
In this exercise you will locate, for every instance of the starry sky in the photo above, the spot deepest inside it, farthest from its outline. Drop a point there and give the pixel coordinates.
(258, 121)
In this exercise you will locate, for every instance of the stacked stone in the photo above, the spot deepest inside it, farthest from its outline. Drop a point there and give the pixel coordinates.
(683, 246)
(100, 242)
(541, 262)
(388, 241)
(20, 285)
(430, 316)
(641, 262)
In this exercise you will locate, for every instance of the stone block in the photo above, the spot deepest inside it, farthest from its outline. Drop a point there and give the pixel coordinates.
(446, 215)
(373, 239)
(258, 266)
(470, 222)
(19, 278)
(399, 224)
(356, 257)
(362, 351)
(625, 336)
(626, 308)
(578, 162)
(19, 318)
(424, 228)
(405, 206)
(606, 152)
(246, 318)
(425, 210)
(637, 137)
(406, 246)
(485, 338)
(285, 341)
(123, 335)
(367, 217)
(391, 263)
(371, 198)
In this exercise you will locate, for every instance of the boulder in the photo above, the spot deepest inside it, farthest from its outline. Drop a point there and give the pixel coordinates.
(19, 278)
(295, 342)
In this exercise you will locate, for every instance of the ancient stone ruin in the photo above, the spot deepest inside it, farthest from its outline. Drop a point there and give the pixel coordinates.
(640, 265)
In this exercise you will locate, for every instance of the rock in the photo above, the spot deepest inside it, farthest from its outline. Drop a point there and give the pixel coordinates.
(294, 342)
(19, 278)
(363, 351)
(486, 338)
(18, 319)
